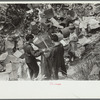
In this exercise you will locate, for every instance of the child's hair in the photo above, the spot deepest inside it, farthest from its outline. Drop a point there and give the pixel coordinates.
(62, 18)
(54, 37)
(29, 36)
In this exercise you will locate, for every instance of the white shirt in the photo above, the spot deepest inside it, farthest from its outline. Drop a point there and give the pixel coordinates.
(72, 36)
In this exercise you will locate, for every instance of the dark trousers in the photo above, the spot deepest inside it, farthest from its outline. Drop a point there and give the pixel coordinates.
(33, 70)
(55, 71)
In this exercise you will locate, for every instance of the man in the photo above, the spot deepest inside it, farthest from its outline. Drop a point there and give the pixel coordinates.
(30, 56)
(56, 58)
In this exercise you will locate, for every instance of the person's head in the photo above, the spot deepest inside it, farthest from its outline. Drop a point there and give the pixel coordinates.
(29, 38)
(71, 27)
(54, 38)
(62, 18)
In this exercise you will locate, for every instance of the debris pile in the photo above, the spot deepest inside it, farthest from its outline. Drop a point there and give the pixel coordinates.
(43, 20)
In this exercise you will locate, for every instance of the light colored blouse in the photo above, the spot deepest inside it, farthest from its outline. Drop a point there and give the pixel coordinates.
(73, 37)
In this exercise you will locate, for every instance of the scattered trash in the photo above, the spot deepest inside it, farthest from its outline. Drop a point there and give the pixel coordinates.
(42, 20)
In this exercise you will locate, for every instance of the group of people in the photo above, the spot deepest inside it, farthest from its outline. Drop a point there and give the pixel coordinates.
(55, 57)
(64, 20)
(55, 60)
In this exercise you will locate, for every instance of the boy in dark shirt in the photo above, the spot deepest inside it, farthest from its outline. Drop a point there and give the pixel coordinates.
(30, 56)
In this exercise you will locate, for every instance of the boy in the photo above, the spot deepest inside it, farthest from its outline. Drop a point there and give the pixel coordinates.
(30, 56)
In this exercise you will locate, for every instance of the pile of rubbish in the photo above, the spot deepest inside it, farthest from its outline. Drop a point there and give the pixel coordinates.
(43, 20)
(88, 67)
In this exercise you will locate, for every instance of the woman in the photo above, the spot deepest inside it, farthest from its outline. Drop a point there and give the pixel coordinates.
(56, 58)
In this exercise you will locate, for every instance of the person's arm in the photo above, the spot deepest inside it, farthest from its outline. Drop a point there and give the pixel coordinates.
(52, 53)
(35, 53)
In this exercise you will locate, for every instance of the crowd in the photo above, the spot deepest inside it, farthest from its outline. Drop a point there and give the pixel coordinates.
(62, 25)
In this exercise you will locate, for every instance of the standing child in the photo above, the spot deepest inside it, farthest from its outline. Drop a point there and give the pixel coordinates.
(56, 57)
(73, 42)
(30, 56)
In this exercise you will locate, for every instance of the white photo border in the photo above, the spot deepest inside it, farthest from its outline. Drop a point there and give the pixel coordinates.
(49, 89)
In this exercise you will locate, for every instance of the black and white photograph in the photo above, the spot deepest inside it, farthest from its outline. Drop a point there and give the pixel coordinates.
(49, 41)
